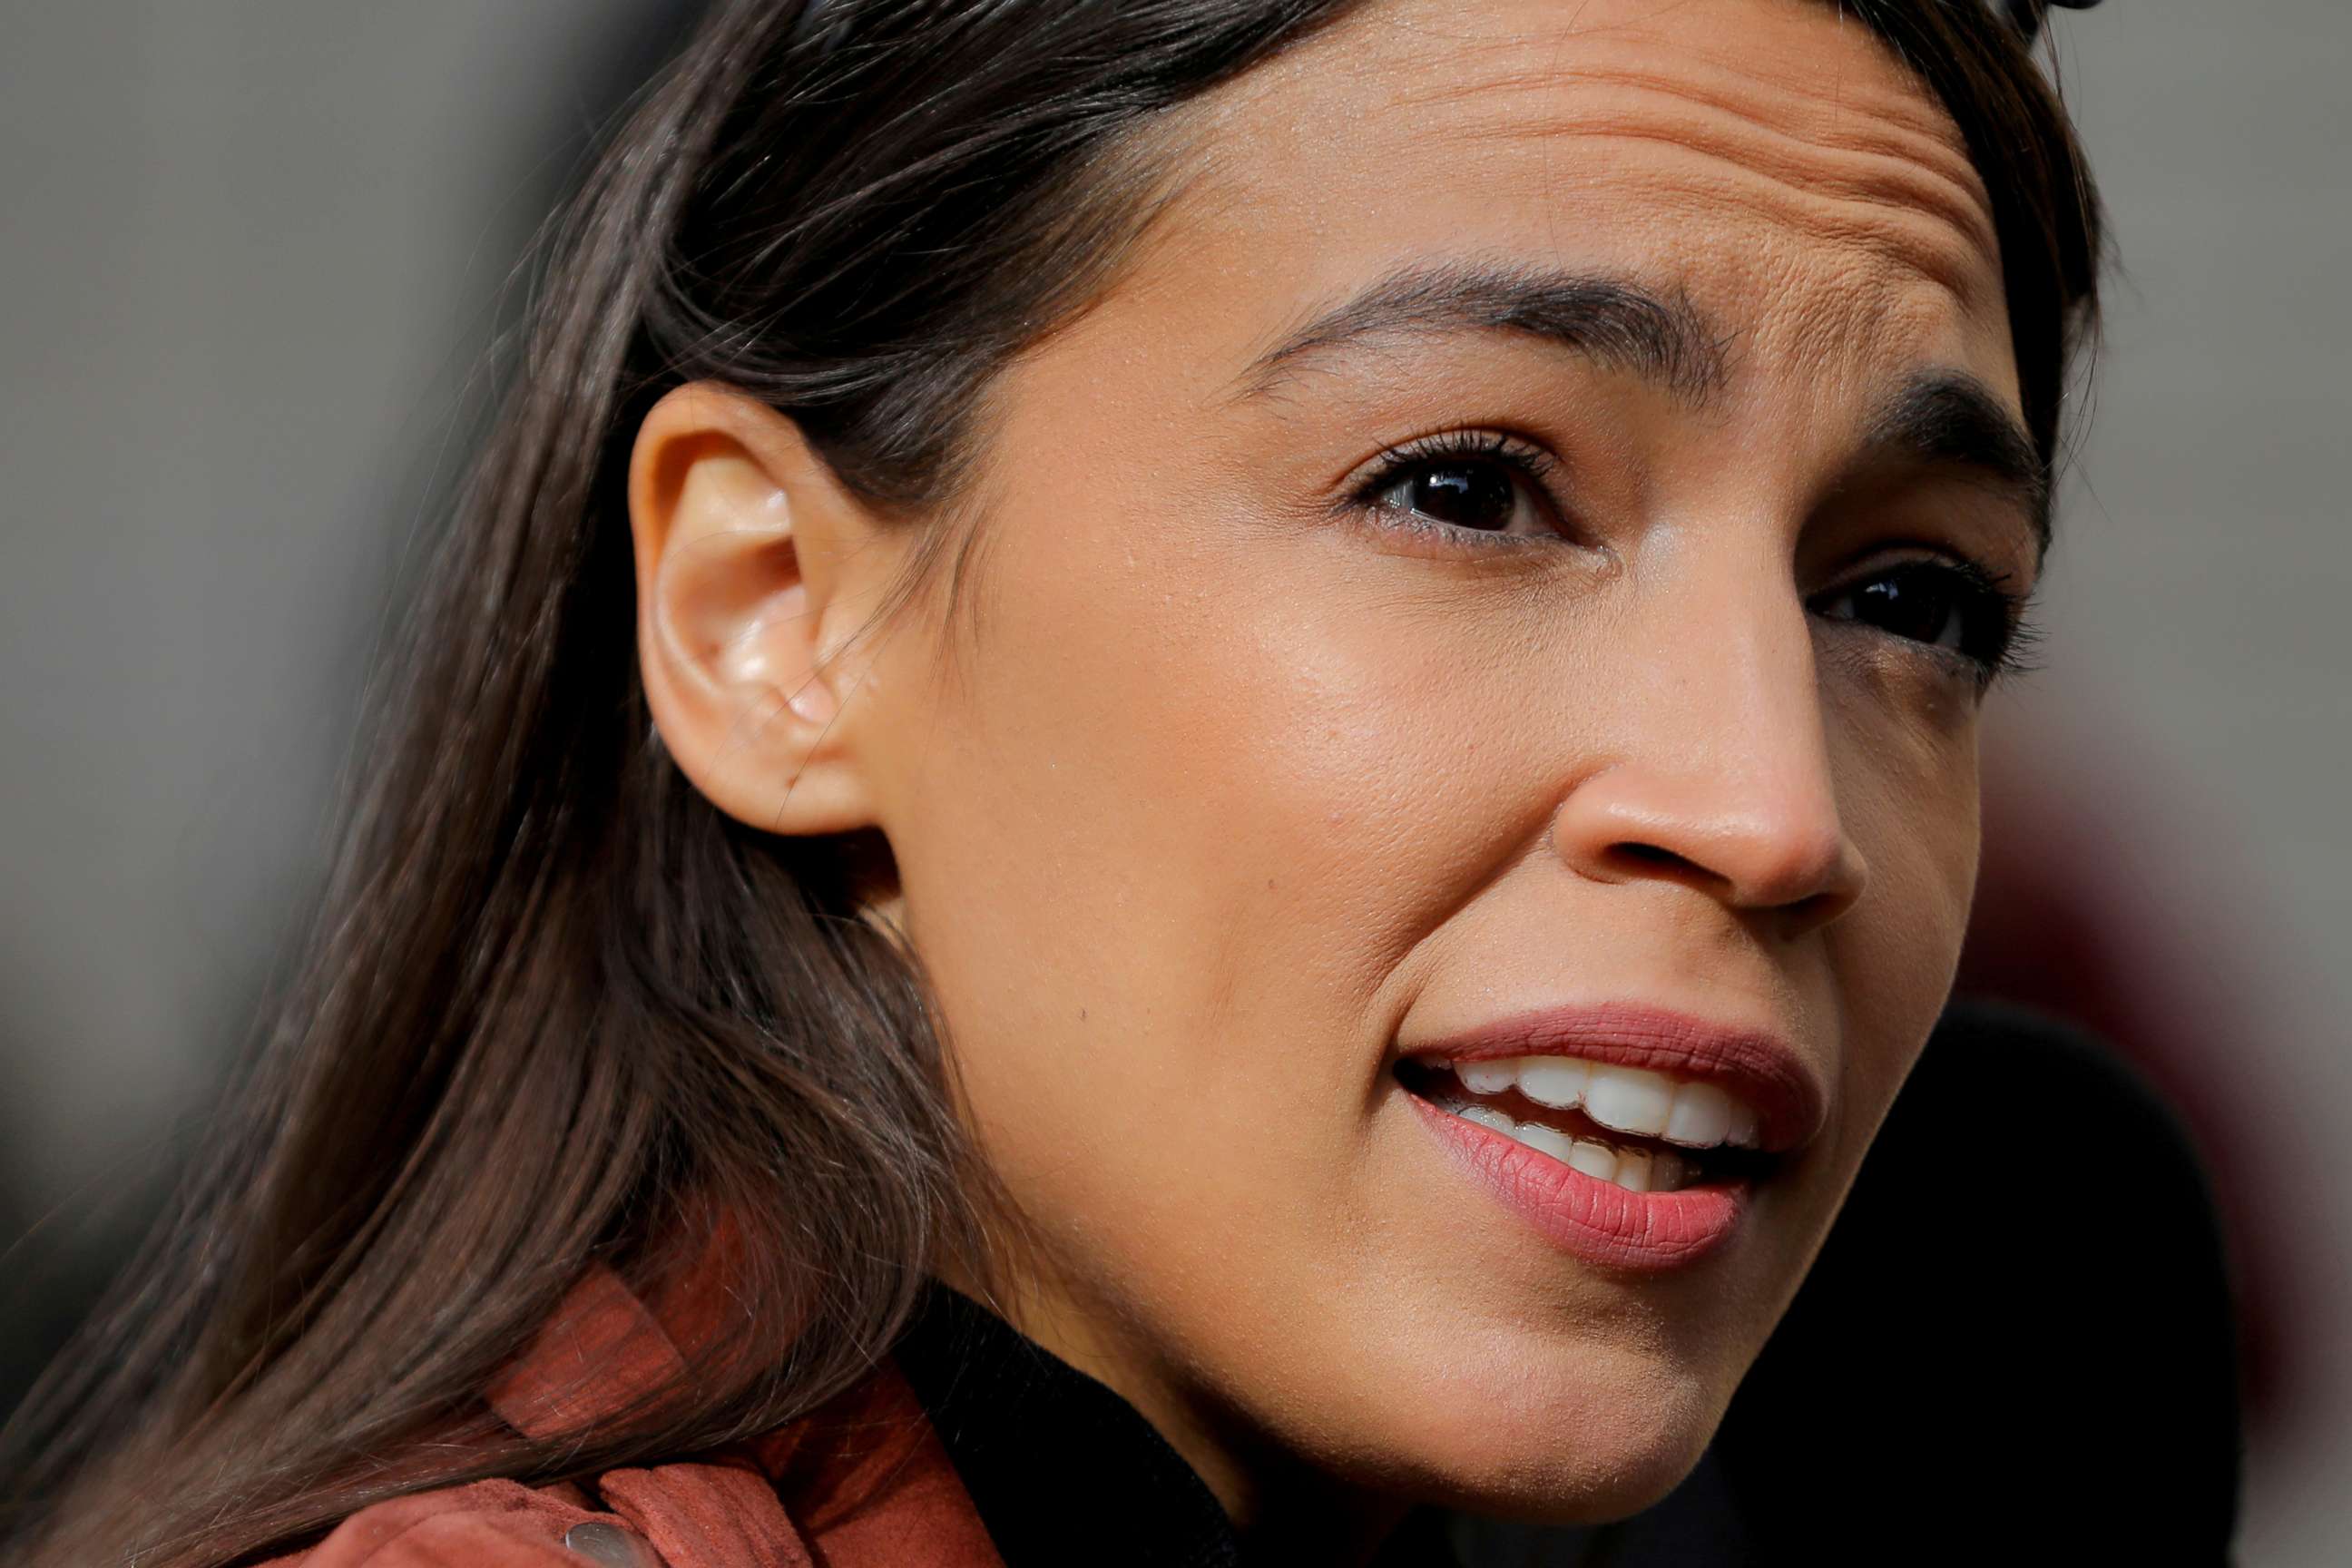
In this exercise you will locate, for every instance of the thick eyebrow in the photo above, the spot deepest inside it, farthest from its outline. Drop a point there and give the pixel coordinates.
(1613, 320)
(1947, 418)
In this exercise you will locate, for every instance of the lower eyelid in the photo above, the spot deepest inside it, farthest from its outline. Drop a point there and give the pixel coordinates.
(1871, 651)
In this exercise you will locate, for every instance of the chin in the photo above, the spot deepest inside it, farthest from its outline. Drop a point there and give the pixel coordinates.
(1596, 1439)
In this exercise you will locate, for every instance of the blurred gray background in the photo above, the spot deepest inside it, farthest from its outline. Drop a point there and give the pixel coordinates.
(254, 255)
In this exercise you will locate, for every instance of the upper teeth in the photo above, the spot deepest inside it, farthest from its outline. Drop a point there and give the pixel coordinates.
(1695, 1114)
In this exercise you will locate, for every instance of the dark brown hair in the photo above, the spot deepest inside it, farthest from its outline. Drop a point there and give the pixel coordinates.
(558, 1008)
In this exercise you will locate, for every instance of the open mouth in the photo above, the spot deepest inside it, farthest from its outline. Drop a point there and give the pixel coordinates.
(1634, 1128)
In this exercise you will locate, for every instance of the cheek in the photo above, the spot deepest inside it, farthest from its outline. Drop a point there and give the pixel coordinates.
(1165, 853)
(1908, 787)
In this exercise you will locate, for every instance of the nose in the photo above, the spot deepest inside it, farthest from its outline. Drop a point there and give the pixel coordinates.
(1723, 781)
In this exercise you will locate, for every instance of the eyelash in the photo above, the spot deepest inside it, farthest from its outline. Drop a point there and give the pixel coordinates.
(1531, 467)
(1521, 458)
(1978, 590)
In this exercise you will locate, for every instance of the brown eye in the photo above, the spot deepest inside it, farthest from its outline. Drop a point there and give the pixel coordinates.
(1953, 606)
(1484, 496)
(1478, 483)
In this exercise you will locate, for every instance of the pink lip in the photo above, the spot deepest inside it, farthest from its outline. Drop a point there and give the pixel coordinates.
(1596, 1220)
(1752, 1066)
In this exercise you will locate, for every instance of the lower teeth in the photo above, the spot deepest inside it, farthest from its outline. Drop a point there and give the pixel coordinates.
(1635, 1170)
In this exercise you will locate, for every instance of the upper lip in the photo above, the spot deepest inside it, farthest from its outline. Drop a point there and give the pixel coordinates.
(1753, 1066)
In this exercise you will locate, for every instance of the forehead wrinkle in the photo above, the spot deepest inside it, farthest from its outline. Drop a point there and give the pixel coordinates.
(1910, 240)
(1885, 109)
(1896, 214)
(1896, 126)
(1882, 147)
(1888, 175)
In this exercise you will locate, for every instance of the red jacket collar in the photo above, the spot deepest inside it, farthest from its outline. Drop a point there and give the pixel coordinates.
(863, 1482)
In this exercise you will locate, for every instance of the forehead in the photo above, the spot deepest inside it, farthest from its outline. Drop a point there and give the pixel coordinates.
(1767, 159)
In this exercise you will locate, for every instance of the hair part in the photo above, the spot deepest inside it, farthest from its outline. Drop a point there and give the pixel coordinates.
(558, 1008)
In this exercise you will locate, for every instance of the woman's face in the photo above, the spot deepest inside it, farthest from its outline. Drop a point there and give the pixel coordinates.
(1513, 552)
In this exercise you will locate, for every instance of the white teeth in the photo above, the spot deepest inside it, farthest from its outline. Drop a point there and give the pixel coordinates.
(1488, 1077)
(1635, 1170)
(1593, 1159)
(1701, 1116)
(1487, 1116)
(1556, 1081)
(1547, 1140)
(1629, 1100)
(1696, 1114)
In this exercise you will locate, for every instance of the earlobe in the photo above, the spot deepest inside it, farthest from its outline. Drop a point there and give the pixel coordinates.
(740, 538)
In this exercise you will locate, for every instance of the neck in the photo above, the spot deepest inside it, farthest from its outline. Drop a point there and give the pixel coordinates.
(1283, 1509)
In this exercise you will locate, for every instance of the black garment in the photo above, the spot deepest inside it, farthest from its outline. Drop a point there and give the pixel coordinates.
(2017, 1344)
(2015, 1347)
(1061, 1468)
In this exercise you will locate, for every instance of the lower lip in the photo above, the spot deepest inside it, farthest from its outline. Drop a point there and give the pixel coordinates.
(1597, 1221)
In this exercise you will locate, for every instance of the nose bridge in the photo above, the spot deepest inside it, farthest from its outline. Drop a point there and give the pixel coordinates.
(1762, 720)
(1722, 774)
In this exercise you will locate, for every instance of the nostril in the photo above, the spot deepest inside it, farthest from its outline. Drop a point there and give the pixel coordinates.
(1636, 857)
(1774, 844)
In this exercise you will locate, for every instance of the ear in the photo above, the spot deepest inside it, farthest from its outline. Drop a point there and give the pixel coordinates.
(751, 561)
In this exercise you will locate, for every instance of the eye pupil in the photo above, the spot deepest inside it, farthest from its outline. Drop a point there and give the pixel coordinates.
(1914, 605)
(1468, 495)
(1947, 605)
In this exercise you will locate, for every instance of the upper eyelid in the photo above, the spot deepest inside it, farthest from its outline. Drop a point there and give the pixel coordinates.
(1530, 461)
(1468, 442)
(2019, 552)
(1969, 572)
(1879, 558)
(2018, 606)
(1536, 460)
